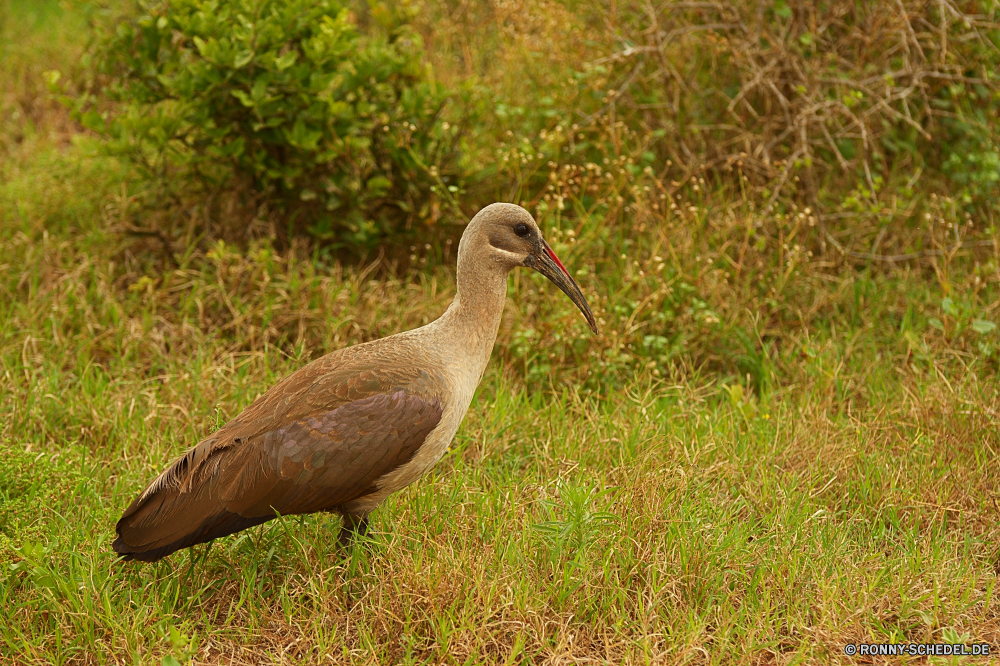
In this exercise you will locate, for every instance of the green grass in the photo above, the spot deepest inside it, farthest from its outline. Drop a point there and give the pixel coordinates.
(763, 457)
(654, 522)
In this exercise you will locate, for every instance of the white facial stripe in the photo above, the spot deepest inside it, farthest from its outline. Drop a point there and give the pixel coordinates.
(509, 256)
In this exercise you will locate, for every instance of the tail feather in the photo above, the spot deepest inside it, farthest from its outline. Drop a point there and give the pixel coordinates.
(216, 526)
(168, 517)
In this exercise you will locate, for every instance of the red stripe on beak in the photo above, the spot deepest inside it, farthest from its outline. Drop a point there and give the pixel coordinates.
(552, 255)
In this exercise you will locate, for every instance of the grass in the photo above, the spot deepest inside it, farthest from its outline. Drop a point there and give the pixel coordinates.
(765, 455)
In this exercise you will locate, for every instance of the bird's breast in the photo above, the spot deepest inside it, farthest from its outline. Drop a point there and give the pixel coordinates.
(460, 381)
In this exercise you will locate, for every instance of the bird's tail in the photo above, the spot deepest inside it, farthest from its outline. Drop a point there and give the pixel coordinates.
(181, 508)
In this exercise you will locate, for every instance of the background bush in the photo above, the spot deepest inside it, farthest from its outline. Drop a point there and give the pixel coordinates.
(712, 167)
(329, 119)
(285, 108)
(818, 104)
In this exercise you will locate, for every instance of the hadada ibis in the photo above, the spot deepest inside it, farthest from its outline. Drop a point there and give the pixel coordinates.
(347, 430)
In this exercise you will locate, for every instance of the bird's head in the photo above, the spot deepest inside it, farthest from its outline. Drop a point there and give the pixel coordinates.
(511, 238)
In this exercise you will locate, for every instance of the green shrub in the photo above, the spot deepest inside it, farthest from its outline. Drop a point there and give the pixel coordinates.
(286, 104)
(971, 153)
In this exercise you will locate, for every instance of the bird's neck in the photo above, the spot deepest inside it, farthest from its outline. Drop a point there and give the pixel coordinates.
(473, 318)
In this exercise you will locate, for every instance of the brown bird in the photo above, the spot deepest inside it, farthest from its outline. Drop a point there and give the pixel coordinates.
(347, 430)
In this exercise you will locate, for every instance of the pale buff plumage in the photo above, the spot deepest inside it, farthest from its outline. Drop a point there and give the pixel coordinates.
(347, 430)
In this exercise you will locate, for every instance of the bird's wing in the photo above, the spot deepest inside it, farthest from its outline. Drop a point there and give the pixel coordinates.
(311, 453)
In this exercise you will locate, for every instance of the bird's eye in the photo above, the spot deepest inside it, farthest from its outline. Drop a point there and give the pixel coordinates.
(521, 229)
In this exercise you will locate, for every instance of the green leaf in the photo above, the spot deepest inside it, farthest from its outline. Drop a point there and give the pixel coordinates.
(242, 58)
(170, 660)
(378, 186)
(983, 326)
(92, 120)
(286, 61)
(259, 90)
(243, 97)
(936, 323)
(234, 148)
(949, 308)
(847, 148)
(202, 46)
(302, 136)
(48, 582)
(339, 109)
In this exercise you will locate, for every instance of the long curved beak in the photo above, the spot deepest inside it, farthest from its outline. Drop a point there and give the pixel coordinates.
(547, 263)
